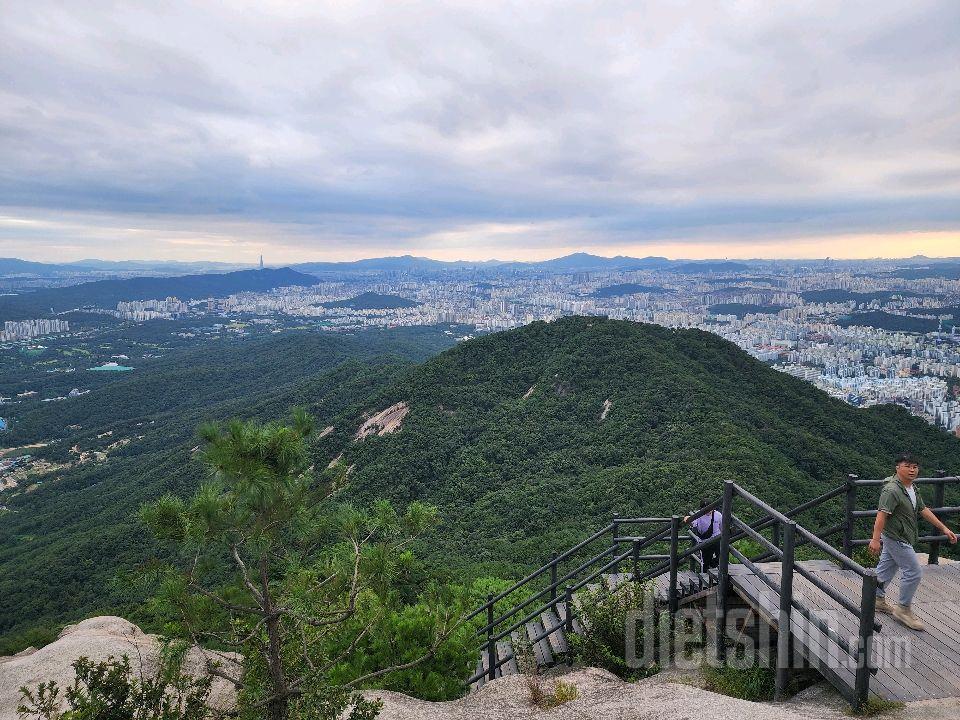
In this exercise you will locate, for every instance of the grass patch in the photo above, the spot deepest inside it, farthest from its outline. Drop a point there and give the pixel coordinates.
(875, 706)
(562, 692)
(750, 683)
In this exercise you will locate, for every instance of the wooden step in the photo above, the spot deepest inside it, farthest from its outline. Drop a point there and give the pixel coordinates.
(615, 580)
(541, 649)
(504, 649)
(562, 614)
(558, 639)
(476, 685)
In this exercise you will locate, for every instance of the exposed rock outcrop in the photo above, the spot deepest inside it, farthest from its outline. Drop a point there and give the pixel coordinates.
(97, 638)
(606, 410)
(600, 696)
(384, 422)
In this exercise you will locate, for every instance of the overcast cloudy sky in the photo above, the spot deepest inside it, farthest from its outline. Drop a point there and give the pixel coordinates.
(338, 130)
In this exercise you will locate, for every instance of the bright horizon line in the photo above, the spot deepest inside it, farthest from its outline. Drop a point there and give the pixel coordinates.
(545, 258)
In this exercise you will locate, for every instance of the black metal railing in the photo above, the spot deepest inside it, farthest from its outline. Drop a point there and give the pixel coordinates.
(938, 507)
(786, 537)
(547, 597)
(785, 551)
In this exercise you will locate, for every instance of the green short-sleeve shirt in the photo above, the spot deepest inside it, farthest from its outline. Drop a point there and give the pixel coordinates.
(901, 514)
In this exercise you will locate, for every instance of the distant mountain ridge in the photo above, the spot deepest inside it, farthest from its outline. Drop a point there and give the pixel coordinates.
(577, 262)
(107, 293)
(915, 267)
(9, 266)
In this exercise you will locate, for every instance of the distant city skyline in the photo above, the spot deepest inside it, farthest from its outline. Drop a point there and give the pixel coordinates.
(193, 131)
(259, 259)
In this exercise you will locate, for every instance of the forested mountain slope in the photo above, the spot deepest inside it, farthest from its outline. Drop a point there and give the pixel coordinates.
(526, 440)
(63, 543)
(505, 434)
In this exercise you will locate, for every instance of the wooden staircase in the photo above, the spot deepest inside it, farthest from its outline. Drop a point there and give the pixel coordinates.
(830, 616)
(555, 647)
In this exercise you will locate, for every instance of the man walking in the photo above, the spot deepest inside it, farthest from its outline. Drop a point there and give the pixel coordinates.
(895, 530)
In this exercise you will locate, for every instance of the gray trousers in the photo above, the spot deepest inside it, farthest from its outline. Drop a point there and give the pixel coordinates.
(898, 556)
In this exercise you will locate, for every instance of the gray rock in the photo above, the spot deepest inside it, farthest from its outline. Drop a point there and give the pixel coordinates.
(97, 638)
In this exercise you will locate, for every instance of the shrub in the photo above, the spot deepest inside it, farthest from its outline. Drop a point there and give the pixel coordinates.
(563, 692)
(604, 615)
(109, 690)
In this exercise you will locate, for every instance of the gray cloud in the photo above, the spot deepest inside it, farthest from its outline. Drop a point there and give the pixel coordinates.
(394, 124)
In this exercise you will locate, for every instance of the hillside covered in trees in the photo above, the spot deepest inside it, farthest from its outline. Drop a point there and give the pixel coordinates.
(64, 539)
(525, 440)
(528, 439)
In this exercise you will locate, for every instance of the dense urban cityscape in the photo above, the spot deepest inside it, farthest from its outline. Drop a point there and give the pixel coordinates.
(863, 333)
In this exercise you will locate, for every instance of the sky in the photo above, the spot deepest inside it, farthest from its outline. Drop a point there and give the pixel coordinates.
(477, 130)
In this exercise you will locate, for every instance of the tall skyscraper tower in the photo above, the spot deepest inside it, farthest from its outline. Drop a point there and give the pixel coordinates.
(261, 262)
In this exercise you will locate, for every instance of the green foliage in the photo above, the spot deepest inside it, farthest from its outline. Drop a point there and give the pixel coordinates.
(513, 478)
(400, 634)
(563, 692)
(372, 301)
(560, 693)
(308, 590)
(67, 551)
(866, 558)
(876, 706)
(604, 615)
(747, 683)
(891, 321)
(689, 410)
(110, 690)
(33, 637)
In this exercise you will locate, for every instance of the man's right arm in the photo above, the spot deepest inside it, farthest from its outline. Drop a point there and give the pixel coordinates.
(878, 526)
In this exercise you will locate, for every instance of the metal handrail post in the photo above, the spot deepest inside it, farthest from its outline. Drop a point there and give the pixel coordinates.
(784, 630)
(615, 529)
(723, 574)
(553, 576)
(849, 506)
(864, 651)
(636, 559)
(491, 643)
(938, 500)
(674, 547)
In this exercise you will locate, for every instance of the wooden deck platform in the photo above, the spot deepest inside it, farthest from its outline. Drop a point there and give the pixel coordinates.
(911, 665)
